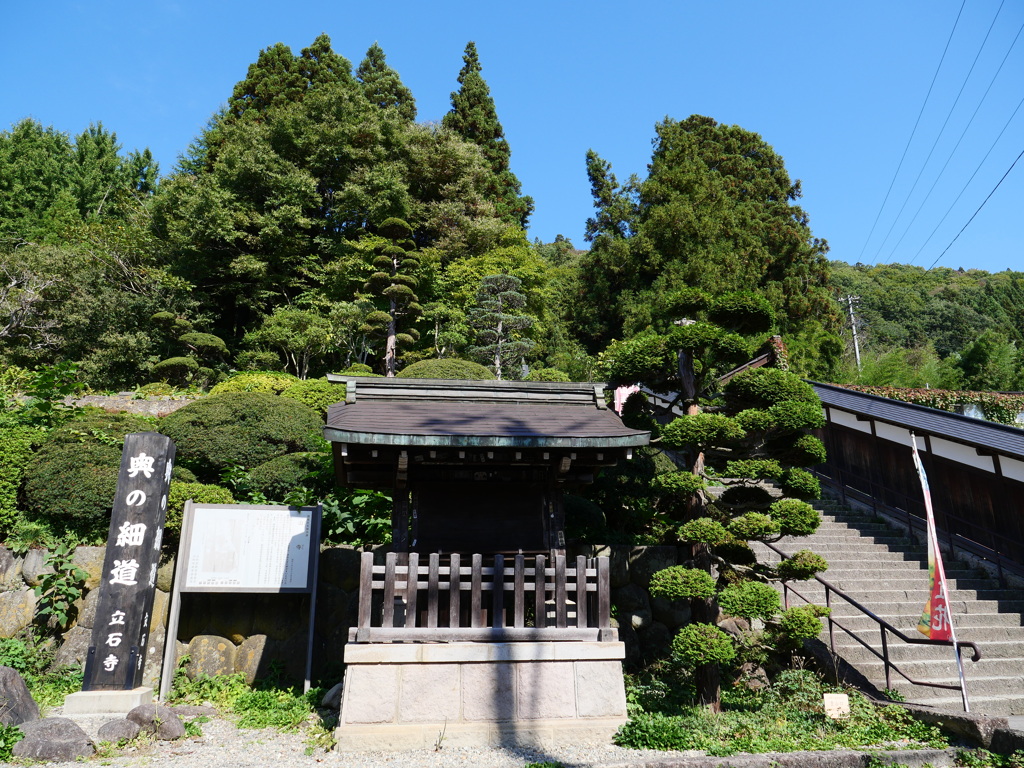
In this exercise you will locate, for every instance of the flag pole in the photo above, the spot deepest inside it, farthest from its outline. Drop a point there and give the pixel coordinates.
(937, 621)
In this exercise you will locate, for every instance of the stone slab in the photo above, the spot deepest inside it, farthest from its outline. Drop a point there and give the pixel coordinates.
(537, 733)
(488, 692)
(448, 653)
(545, 690)
(600, 691)
(106, 702)
(430, 692)
(371, 694)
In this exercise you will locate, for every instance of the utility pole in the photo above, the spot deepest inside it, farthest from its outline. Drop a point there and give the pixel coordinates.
(850, 301)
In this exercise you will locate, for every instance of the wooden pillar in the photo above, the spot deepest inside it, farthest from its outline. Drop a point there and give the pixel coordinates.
(400, 520)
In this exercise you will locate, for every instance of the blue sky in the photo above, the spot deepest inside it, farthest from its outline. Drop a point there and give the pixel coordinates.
(835, 88)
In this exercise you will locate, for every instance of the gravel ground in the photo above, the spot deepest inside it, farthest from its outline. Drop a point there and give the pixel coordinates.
(222, 745)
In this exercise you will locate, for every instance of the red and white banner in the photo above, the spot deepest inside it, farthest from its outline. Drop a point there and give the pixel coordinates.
(935, 621)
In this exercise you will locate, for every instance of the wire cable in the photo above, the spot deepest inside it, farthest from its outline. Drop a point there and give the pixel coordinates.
(977, 211)
(914, 131)
(968, 182)
(956, 147)
(942, 130)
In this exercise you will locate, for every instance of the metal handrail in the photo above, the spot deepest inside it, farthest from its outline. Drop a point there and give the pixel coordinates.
(883, 626)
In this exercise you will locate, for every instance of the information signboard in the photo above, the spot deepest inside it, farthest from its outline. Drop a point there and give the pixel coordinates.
(244, 548)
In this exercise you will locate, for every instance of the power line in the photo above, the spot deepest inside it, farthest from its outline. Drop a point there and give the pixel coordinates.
(942, 130)
(957, 146)
(968, 182)
(914, 131)
(977, 211)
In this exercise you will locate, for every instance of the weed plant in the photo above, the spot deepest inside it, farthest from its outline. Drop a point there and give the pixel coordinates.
(787, 716)
(33, 661)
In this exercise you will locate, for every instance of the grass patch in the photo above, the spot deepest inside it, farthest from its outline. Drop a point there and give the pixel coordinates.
(787, 716)
(33, 660)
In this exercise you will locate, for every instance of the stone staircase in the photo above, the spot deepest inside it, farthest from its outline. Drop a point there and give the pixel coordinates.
(887, 572)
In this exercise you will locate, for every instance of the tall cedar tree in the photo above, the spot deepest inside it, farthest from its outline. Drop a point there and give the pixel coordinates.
(395, 264)
(473, 116)
(756, 431)
(498, 321)
(383, 86)
(717, 211)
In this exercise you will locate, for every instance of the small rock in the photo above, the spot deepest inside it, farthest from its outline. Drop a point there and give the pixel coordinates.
(117, 731)
(17, 611)
(16, 703)
(10, 568)
(74, 647)
(158, 720)
(55, 739)
(332, 699)
(87, 609)
(248, 656)
(165, 575)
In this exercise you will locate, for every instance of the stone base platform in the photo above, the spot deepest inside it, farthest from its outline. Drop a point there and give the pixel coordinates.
(410, 695)
(106, 702)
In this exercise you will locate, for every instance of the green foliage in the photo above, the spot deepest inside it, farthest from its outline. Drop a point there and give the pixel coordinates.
(753, 469)
(200, 493)
(632, 360)
(750, 600)
(382, 85)
(800, 483)
(301, 336)
(500, 324)
(792, 416)
(447, 368)
(753, 526)
(799, 623)
(269, 382)
(47, 389)
(704, 530)
(33, 660)
(359, 369)
(787, 716)
(284, 710)
(795, 518)
(358, 518)
(547, 374)
(73, 490)
(679, 483)
(801, 565)
(1001, 407)
(801, 450)
(982, 758)
(765, 387)
(241, 428)
(701, 429)
(698, 644)
(318, 394)
(176, 370)
(57, 592)
(9, 736)
(745, 496)
(276, 478)
(743, 312)
(679, 582)
(16, 444)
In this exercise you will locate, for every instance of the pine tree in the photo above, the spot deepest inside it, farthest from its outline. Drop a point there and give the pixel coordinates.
(383, 86)
(395, 263)
(474, 117)
(497, 319)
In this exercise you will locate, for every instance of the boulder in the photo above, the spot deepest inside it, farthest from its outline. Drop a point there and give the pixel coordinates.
(158, 720)
(34, 567)
(655, 641)
(248, 656)
(10, 569)
(16, 704)
(87, 609)
(90, 560)
(672, 613)
(644, 562)
(74, 647)
(210, 655)
(165, 575)
(630, 598)
(53, 740)
(332, 699)
(154, 658)
(17, 611)
(117, 731)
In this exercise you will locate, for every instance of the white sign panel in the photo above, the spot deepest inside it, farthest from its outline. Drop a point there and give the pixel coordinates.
(247, 548)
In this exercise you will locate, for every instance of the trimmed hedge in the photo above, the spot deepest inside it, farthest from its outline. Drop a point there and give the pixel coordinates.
(318, 394)
(200, 493)
(447, 368)
(16, 444)
(240, 428)
(277, 477)
(547, 374)
(270, 382)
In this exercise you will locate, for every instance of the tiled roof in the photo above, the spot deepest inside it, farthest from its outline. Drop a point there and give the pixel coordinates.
(923, 420)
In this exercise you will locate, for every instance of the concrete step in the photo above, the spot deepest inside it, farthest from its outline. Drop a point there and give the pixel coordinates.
(969, 621)
(995, 706)
(853, 652)
(927, 670)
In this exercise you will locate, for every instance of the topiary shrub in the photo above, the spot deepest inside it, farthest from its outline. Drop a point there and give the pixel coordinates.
(205, 344)
(240, 428)
(277, 477)
(700, 429)
(800, 623)
(318, 394)
(269, 382)
(679, 483)
(257, 360)
(795, 518)
(801, 566)
(698, 644)
(547, 374)
(679, 582)
(753, 526)
(200, 493)
(739, 495)
(800, 483)
(764, 387)
(176, 370)
(96, 425)
(447, 368)
(704, 530)
(750, 600)
(72, 490)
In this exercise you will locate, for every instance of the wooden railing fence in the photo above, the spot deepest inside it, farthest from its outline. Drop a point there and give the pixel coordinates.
(455, 598)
